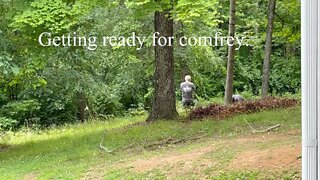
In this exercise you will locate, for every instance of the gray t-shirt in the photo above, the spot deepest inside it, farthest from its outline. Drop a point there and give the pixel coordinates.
(187, 88)
(237, 98)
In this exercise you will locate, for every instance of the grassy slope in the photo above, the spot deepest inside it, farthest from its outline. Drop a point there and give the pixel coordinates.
(73, 152)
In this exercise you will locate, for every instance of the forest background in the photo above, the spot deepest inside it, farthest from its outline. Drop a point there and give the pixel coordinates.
(41, 87)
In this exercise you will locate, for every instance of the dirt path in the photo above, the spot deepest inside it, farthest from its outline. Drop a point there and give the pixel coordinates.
(143, 165)
(283, 157)
(30, 176)
(95, 173)
(254, 152)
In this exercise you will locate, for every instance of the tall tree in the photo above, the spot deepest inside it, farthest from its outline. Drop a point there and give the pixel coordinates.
(181, 57)
(231, 53)
(164, 102)
(266, 61)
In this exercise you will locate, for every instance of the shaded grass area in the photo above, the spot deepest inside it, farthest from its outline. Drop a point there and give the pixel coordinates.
(69, 152)
(64, 152)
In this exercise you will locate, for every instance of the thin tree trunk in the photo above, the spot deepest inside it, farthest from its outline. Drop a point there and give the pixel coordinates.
(164, 102)
(184, 68)
(257, 12)
(266, 62)
(231, 53)
(81, 105)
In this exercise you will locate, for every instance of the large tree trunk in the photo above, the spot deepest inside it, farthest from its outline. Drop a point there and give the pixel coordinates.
(266, 62)
(231, 53)
(164, 102)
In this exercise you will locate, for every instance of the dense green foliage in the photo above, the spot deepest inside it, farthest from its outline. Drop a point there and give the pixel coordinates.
(41, 86)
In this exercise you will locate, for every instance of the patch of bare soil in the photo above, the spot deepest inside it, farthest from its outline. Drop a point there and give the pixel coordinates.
(279, 158)
(184, 168)
(142, 165)
(4, 147)
(96, 172)
(177, 160)
(174, 164)
(30, 176)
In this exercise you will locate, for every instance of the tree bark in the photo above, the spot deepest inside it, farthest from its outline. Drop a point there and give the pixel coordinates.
(231, 53)
(184, 68)
(266, 61)
(164, 102)
(81, 105)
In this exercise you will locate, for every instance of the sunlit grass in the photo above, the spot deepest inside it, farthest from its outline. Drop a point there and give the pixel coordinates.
(69, 151)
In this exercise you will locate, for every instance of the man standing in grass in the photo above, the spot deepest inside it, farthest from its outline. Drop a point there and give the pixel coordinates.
(187, 89)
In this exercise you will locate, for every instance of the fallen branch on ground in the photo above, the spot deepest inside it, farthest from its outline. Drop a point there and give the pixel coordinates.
(103, 147)
(268, 129)
(170, 140)
(126, 147)
(262, 131)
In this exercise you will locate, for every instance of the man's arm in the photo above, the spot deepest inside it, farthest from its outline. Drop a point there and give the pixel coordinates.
(194, 94)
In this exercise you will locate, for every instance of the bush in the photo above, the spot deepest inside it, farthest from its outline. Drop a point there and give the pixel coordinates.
(7, 124)
(107, 103)
(25, 111)
(138, 111)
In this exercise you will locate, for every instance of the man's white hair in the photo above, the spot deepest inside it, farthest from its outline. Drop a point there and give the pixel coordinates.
(187, 78)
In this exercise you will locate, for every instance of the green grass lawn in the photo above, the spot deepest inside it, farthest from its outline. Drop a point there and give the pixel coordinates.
(73, 152)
